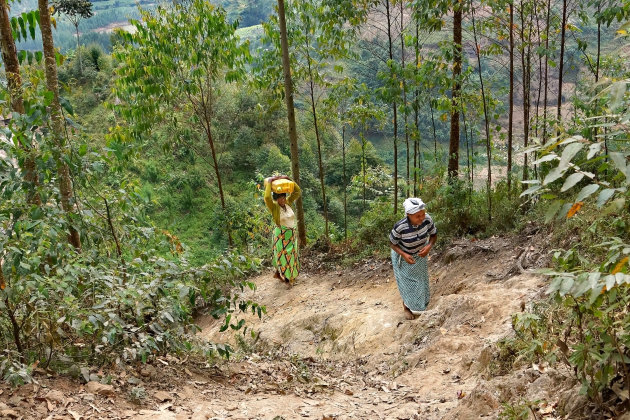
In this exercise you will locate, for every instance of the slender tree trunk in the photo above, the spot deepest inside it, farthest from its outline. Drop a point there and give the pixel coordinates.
(3, 282)
(453, 149)
(319, 147)
(288, 88)
(317, 136)
(345, 182)
(10, 59)
(11, 314)
(15, 326)
(468, 162)
(540, 72)
(363, 165)
(14, 83)
(599, 43)
(123, 266)
(561, 66)
(417, 160)
(52, 84)
(416, 141)
(472, 155)
(404, 99)
(467, 148)
(540, 69)
(486, 119)
(394, 107)
(76, 26)
(599, 39)
(544, 136)
(525, 62)
(606, 138)
(217, 172)
(434, 133)
(511, 106)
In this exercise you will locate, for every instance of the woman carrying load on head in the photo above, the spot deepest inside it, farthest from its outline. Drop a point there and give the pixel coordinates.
(285, 249)
(411, 240)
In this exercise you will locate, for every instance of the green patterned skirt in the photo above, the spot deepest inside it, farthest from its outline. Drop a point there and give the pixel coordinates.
(285, 253)
(412, 281)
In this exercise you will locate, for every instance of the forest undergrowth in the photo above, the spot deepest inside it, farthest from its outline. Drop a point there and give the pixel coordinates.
(131, 182)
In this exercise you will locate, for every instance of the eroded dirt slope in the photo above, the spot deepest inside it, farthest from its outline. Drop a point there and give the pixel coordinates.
(337, 346)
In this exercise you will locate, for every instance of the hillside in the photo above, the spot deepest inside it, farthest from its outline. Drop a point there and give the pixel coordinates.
(112, 14)
(336, 346)
(137, 214)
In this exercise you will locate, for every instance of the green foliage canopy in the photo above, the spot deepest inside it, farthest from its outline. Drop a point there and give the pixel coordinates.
(176, 52)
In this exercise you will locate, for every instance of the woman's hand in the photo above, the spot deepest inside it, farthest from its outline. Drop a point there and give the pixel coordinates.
(424, 251)
(408, 258)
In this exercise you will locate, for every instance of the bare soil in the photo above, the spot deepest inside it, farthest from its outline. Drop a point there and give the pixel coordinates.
(337, 346)
(110, 28)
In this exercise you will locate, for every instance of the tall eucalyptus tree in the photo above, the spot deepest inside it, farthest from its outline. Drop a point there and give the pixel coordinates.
(321, 33)
(175, 62)
(431, 14)
(14, 84)
(66, 195)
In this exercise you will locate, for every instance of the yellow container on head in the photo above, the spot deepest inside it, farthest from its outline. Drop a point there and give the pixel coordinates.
(282, 186)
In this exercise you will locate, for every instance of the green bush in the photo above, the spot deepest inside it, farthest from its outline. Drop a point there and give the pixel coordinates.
(151, 172)
(376, 223)
(590, 279)
(129, 294)
(458, 210)
(335, 208)
(187, 198)
(274, 161)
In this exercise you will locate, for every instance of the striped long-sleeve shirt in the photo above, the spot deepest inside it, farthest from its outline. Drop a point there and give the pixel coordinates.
(410, 238)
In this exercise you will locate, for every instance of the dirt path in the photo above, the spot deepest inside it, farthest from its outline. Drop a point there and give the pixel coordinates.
(337, 346)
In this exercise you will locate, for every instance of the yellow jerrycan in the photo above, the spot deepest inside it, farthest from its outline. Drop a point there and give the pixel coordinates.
(282, 186)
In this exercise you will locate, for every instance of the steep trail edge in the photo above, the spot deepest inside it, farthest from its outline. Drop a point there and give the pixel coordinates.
(337, 346)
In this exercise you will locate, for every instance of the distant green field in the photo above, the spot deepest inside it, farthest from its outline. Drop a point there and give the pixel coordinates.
(108, 13)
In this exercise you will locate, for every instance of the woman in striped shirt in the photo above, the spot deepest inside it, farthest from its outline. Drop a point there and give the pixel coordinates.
(411, 239)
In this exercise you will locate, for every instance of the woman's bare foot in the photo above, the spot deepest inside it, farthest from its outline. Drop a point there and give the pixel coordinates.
(408, 314)
(277, 275)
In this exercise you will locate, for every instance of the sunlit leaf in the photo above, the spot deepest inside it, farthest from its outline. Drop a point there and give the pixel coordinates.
(617, 91)
(531, 190)
(546, 158)
(554, 174)
(586, 192)
(553, 210)
(594, 149)
(571, 181)
(569, 153)
(604, 196)
(566, 285)
(619, 159)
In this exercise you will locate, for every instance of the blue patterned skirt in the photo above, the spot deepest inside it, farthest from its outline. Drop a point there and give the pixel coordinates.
(413, 281)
